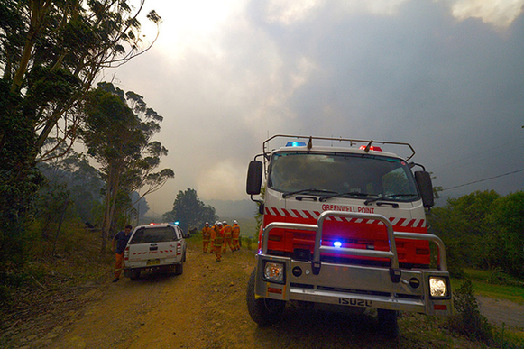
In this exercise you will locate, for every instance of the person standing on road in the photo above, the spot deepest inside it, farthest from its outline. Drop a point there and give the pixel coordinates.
(212, 238)
(228, 235)
(219, 240)
(119, 245)
(206, 236)
(236, 236)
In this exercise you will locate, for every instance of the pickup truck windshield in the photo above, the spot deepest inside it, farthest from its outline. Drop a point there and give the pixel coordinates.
(342, 175)
(153, 235)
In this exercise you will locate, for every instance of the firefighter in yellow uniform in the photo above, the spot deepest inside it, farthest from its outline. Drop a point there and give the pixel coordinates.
(219, 240)
(213, 236)
(228, 235)
(236, 236)
(206, 236)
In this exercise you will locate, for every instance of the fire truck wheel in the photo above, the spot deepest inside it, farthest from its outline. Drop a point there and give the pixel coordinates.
(388, 322)
(263, 311)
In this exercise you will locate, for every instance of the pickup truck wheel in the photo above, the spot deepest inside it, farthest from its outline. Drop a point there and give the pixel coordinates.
(263, 311)
(388, 322)
(179, 268)
(134, 274)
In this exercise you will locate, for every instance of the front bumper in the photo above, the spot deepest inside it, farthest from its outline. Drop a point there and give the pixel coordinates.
(351, 284)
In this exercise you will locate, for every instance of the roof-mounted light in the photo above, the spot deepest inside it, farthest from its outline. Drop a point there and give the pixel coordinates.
(371, 147)
(295, 144)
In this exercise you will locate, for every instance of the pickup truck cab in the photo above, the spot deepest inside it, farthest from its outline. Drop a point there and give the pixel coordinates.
(155, 248)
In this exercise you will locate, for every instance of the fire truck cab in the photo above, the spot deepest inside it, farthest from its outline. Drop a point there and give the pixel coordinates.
(344, 225)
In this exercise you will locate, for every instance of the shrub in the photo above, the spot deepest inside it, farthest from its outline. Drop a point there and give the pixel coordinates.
(468, 320)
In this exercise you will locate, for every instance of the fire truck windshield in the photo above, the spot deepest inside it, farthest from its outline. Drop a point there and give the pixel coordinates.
(329, 175)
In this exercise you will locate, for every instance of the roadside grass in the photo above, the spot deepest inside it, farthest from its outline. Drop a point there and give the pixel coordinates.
(70, 258)
(57, 269)
(494, 284)
(486, 285)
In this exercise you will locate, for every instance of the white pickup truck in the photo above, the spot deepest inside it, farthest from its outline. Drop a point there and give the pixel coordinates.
(155, 248)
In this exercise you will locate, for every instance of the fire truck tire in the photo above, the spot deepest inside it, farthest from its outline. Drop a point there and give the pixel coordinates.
(388, 322)
(263, 311)
(134, 274)
(179, 268)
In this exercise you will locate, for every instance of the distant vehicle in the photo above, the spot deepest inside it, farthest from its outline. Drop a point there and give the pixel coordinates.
(155, 248)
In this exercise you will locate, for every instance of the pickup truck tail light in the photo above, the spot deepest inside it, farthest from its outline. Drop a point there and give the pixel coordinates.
(178, 248)
(126, 254)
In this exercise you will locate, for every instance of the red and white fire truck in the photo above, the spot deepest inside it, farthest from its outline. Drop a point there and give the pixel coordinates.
(344, 224)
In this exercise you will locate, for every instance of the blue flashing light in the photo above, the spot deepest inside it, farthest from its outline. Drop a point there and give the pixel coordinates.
(295, 144)
(337, 244)
(176, 223)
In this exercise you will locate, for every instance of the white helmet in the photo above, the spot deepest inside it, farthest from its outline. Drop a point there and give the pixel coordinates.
(235, 222)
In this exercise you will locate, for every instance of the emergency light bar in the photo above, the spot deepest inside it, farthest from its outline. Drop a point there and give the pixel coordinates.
(295, 144)
(372, 148)
(352, 142)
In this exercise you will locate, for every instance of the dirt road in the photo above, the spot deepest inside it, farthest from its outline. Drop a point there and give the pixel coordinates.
(202, 308)
(501, 311)
(205, 308)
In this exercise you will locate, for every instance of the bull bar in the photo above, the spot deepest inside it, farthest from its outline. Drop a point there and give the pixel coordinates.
(352, 284)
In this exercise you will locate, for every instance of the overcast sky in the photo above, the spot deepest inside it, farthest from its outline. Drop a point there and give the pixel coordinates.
(446, 76)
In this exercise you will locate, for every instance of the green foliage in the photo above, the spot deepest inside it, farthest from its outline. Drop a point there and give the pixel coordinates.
(82, 181)
(50, 54)
(74, 262)
(498, 277)
(250, 242)
(190, 211)
(117, 130)
(495, 284)
(482, 230)
(468, 320)
(19, 179)
(507, 220)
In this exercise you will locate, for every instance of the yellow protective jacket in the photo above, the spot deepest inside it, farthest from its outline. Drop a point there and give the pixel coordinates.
(236, 231)
(206, 233)
(228, 231)
(219, 238)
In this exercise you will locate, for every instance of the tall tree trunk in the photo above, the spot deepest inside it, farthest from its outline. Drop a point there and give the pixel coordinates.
(64, 210)
(39, 10)
(112, 183)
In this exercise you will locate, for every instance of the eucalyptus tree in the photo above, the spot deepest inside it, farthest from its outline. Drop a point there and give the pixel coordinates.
(51, 52)
(118, 132)
(190, 211)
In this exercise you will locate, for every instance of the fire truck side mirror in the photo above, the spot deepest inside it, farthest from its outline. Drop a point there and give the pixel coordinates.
(254, 178)
(425, 188)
